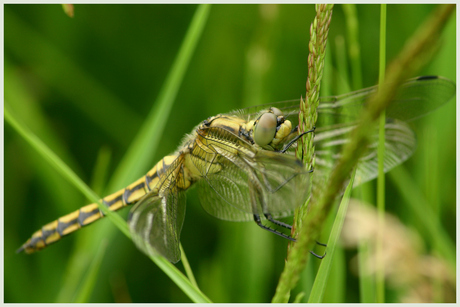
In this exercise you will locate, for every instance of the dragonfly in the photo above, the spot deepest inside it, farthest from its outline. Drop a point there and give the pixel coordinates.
(244, 166)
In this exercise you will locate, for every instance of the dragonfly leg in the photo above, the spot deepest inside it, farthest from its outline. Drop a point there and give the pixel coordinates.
(286, 147)
(276, 222)
(322, 244)
(318, 256)
(259, 222)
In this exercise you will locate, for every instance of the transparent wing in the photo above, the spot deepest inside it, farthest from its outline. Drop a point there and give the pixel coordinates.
(155, 224)
(223, 195)
(415, 98)
(155, 221)
(249, 181)
(400, 143)
(338, 115)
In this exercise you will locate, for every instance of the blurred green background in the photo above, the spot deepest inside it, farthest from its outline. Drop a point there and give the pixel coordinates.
(84, 85)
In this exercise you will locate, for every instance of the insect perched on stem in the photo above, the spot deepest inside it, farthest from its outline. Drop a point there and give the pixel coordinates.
(244, 167)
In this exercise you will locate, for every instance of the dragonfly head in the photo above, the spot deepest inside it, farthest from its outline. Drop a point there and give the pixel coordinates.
(270, 128)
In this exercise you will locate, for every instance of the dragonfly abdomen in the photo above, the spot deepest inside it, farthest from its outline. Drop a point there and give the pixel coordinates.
(88, 214)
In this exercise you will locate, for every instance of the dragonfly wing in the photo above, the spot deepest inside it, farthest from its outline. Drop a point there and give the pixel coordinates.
(421, 96)
(220, 192)
(415, 98)
(400, 143)
(155, 223)
(280, 180)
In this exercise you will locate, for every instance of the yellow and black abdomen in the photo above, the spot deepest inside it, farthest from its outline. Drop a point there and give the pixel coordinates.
(88, 214)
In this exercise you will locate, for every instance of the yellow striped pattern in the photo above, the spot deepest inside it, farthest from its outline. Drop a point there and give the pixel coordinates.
(88, 214)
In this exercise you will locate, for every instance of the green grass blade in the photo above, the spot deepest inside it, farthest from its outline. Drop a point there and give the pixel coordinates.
(319, 286)
(298, 298)
(144, 144)
(423, 212)
(91, 276)
(308, 115)
(170, 270)
(380, 273)
(337, 282)
(24, 104)
(72, 275)
(101, 171)
(81, 258)
(354, 49)
(366, 283)
(63, 169)
(93, 102)
(180, 280)
(187, 268)
(366, 280)
(138, 158)
(343, 84)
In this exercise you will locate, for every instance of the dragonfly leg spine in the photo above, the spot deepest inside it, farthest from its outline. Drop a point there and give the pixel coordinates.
(318, 256)
(276, 222)
(259, 223)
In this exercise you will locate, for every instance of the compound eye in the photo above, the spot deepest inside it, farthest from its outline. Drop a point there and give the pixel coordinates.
(265, 129)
